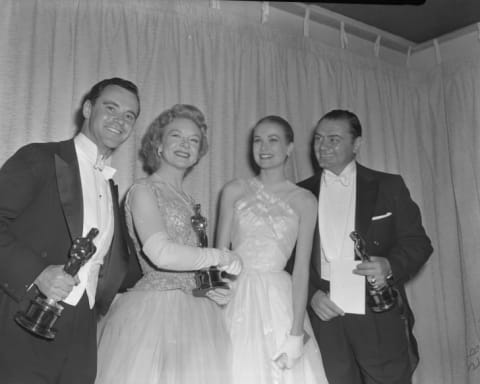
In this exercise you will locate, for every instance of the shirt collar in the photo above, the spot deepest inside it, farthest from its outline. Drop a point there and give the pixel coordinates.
(89, 151)
(346, 177)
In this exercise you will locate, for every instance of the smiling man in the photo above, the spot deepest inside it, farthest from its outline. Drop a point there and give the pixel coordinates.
(371, 347)
(50, 195)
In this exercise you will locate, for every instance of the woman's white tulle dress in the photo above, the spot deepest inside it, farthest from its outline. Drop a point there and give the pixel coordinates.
(158, 332)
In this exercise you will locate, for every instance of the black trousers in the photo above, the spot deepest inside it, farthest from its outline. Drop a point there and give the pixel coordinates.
(71, 358)
(364, 349)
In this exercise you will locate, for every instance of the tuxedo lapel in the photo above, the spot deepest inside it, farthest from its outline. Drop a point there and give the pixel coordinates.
(316, 249)
(108, 257)
(367, 191)
(313, 184)
(116, 213)
(70, 187)
(114, 190)
(315, 188)
(115, 262)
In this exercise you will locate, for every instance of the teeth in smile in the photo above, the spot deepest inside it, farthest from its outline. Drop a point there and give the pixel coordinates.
(115, 130)
(182, 154)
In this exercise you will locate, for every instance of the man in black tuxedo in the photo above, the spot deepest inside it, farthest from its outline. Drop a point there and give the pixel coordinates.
(374, 347)
(51, 194)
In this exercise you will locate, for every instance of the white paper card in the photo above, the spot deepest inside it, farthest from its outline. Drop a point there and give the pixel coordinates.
(347, 290)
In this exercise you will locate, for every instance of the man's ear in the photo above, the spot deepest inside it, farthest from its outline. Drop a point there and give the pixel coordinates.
(87, 109)
(357, 144)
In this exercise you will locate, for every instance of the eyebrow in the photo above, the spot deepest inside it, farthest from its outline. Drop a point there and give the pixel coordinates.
(104, 102)
(328, 135)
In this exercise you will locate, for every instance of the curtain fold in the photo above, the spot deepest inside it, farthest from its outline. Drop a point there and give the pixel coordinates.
(460, 88)
(422, 125)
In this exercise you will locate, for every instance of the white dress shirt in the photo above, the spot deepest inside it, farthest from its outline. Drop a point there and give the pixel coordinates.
(97, 212)
(336, 216)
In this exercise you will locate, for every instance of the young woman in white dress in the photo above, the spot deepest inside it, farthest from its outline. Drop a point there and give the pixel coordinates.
(158, 332)
(263, 219)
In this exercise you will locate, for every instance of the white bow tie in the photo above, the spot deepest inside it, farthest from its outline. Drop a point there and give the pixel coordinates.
(331, 178)
(103, 168)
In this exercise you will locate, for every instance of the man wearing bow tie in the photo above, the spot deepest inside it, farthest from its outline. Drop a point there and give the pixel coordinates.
(51, 194)
(371, 347)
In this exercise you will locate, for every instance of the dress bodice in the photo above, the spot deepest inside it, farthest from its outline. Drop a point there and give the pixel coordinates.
(176, 211)
(265, 227)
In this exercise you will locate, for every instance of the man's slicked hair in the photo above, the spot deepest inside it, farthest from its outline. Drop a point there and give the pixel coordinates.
(97, 89)
(349, 117)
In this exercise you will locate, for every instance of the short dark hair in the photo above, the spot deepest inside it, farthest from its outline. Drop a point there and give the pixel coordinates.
(95, 92)
(349, 117)
(284, 124)
(153, 136)
(97, 89)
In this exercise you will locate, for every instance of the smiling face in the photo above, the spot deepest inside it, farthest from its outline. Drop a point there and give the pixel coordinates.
(334, 145)
(181, 141)
(109, 121)
(270, 145)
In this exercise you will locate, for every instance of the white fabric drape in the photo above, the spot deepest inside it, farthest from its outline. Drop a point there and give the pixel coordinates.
(454, 94)
(420, 125)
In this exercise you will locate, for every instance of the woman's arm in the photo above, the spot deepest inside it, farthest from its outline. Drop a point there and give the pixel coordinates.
(291, 350)
(230, 194)
(159, 248)
(305, 205)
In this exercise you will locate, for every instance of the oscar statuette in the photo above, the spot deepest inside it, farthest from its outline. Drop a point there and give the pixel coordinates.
(208, 278)
(43, 312)
(380, 299)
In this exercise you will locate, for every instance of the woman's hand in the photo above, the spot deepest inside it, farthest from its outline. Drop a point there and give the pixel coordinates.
(231, 263)
(221, 296)
(290, 352)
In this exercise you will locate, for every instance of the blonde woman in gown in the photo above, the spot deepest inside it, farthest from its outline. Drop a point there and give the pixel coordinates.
(263, 219)
(158, 332)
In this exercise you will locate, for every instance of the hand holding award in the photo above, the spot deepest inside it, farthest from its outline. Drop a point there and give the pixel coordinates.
(209, 278)
(43, 312)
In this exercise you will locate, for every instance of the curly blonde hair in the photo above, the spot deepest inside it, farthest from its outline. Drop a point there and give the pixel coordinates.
(153, 136)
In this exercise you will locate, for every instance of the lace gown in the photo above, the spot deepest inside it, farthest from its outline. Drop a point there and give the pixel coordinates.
(158, 332)
(260, 313)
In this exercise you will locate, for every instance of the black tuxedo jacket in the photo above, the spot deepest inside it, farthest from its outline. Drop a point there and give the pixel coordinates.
(390, 222)
(41, 212)
(387, 218)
